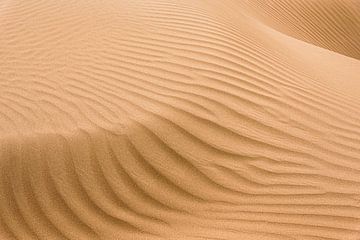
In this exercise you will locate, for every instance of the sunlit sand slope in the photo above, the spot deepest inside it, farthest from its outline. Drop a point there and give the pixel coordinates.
(165, 119)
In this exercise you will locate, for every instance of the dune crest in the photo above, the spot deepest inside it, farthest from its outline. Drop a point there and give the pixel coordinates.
(192, 119)
(334, 25)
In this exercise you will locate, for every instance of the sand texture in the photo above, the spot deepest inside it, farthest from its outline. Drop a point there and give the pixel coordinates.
(183, 120)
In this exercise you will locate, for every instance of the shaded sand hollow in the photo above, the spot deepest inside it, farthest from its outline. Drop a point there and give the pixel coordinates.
(191, 119)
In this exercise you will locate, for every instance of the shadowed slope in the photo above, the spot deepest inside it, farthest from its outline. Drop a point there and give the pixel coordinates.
(334, 24)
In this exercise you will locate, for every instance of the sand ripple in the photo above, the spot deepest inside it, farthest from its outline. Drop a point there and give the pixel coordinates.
(191, 119)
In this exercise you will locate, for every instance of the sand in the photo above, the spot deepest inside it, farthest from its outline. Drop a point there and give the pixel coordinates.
(192, 119)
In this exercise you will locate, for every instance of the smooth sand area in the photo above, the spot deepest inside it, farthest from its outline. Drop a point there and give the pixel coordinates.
(180, 119)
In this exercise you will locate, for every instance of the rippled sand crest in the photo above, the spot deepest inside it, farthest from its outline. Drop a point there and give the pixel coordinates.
(193, 119)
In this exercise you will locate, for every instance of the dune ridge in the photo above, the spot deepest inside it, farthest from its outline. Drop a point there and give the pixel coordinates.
(333, 25)
(191, 119)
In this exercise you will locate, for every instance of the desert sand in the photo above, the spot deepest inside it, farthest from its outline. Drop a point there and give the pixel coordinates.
(191, 119)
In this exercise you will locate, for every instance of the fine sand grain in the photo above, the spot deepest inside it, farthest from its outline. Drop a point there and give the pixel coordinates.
(183, 120)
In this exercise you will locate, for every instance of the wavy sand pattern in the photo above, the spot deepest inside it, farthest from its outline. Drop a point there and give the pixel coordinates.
(192, 119)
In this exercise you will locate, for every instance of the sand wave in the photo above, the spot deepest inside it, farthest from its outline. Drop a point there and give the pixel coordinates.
(175, 120)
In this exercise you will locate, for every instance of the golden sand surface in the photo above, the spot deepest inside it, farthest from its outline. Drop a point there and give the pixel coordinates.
(182, 120)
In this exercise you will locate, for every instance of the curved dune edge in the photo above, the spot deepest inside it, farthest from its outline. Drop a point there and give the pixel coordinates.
(173, 120)
(334, 25)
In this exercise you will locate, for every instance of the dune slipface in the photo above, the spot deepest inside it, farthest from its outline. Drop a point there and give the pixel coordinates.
(193, 119)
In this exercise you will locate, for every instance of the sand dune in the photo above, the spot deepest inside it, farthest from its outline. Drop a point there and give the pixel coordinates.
(193, 119)
(334, 25)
